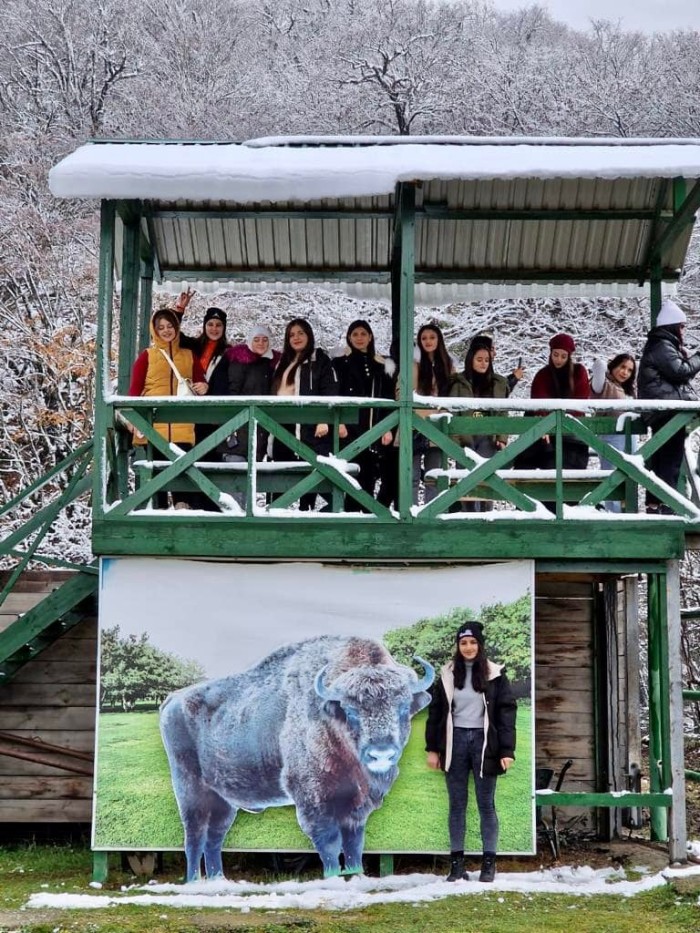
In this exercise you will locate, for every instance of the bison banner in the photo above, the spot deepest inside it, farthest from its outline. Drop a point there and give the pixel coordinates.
(282, 707)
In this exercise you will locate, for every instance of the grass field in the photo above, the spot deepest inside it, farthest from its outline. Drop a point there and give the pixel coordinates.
(26, 870)
(136, 806)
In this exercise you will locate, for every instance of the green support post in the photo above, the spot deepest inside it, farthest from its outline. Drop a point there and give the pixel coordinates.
(386, 865)
(129, 311)
(677, 828)
(655, 289)
(103, 348)
(100, 866)
(145, 304)
(658, 699)
(405, 238)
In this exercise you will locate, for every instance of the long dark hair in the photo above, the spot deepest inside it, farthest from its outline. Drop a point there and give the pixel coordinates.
(563, 376)
(482, 383)
(438, 369)
(628, 384)
(289, 355)
(480, 670)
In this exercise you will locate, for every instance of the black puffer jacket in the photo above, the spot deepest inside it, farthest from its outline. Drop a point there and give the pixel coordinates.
(249, 373)
(499, 720)
(364, 376)
(665, 369)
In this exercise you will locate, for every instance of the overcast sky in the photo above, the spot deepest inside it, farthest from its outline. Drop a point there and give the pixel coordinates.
(646, 15)
(228, 616)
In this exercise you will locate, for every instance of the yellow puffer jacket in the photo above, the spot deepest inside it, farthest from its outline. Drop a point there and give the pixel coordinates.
(161, 380)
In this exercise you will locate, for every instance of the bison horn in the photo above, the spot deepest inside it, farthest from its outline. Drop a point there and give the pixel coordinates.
(427, 679)
(322, 690)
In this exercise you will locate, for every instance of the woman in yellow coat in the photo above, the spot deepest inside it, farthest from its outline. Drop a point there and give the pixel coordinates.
(155, 373)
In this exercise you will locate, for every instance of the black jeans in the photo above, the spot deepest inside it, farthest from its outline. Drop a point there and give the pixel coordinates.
(467, 746)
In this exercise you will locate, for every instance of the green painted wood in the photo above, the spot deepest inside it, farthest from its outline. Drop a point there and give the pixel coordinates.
(179, 465)
(150, 232)
(658, 703)
(616, 567)
(370, 213)
(129, 310)
(103, 347)
(437, 212)
(691, 695)
(406, 234)
(145, 304)
(78, 485)
(24, 637)
(46, 478)
(364, 538)
(100, 866)
(692, 775)
(320, 470)
(685, 208)
(382, 275)
(660, 215)
(427, 212)
(631, 274)
(565, 799)
(486, 471)
(386, 865)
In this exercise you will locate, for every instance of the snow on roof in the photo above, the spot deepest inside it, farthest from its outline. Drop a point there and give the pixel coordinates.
(308, 168)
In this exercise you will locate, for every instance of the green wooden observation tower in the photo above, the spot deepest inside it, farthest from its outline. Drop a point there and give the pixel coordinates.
(434, 220)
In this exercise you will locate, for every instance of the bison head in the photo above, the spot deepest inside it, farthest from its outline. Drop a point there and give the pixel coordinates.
(376, 703)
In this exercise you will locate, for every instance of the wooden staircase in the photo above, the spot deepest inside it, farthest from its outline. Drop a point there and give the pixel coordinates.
(37, 612)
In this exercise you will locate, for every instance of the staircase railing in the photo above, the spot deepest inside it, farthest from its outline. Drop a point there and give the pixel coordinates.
(53, 492)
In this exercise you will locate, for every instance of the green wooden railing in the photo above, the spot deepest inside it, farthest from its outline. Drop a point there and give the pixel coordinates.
(536, 494)
(43, 501)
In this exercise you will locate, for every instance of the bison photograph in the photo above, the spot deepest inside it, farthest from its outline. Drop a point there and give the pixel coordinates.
(320, 724)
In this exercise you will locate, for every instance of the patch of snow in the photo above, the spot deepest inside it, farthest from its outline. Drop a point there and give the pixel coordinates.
(361, 891)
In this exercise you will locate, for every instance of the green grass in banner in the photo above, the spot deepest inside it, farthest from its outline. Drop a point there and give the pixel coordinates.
(136, 806)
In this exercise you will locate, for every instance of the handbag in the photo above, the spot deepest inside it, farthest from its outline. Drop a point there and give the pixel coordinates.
(184, 386)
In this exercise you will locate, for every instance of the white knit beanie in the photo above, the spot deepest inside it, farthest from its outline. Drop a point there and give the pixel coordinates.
(259, 331)
(670, 313)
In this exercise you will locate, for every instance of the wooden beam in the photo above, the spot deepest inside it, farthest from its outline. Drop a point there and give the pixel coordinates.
(224, 537)
(677, 830)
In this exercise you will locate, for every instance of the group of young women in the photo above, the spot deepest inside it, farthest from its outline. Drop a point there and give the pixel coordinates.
(208, 363)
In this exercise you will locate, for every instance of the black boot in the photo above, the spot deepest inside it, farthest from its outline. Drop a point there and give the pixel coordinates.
(488, 867)
(456, 868)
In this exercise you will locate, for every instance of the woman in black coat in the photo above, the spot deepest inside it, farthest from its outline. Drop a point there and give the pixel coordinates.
(362, 373)
(665, 372)
(471, 729)
(304, 370)
(251, 366)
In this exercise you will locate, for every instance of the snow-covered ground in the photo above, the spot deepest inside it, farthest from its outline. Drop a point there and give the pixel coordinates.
(362, 891)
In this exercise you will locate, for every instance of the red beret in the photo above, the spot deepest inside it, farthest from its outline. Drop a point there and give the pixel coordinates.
(562, 342)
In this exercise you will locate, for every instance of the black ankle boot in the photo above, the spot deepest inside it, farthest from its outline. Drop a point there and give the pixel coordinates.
(488, 867)
(456, 868)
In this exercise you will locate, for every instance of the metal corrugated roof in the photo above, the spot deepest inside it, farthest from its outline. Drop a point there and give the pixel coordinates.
(527, 225)
(516, 230)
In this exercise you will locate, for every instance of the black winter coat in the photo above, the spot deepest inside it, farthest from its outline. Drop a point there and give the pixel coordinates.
(499, 720)
(364, 376)
(314, 376)
(249, 373)
(217, 382)
(665, 370)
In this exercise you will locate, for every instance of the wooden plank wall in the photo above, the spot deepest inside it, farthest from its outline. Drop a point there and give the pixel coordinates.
(51, 698)
(564, 678)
